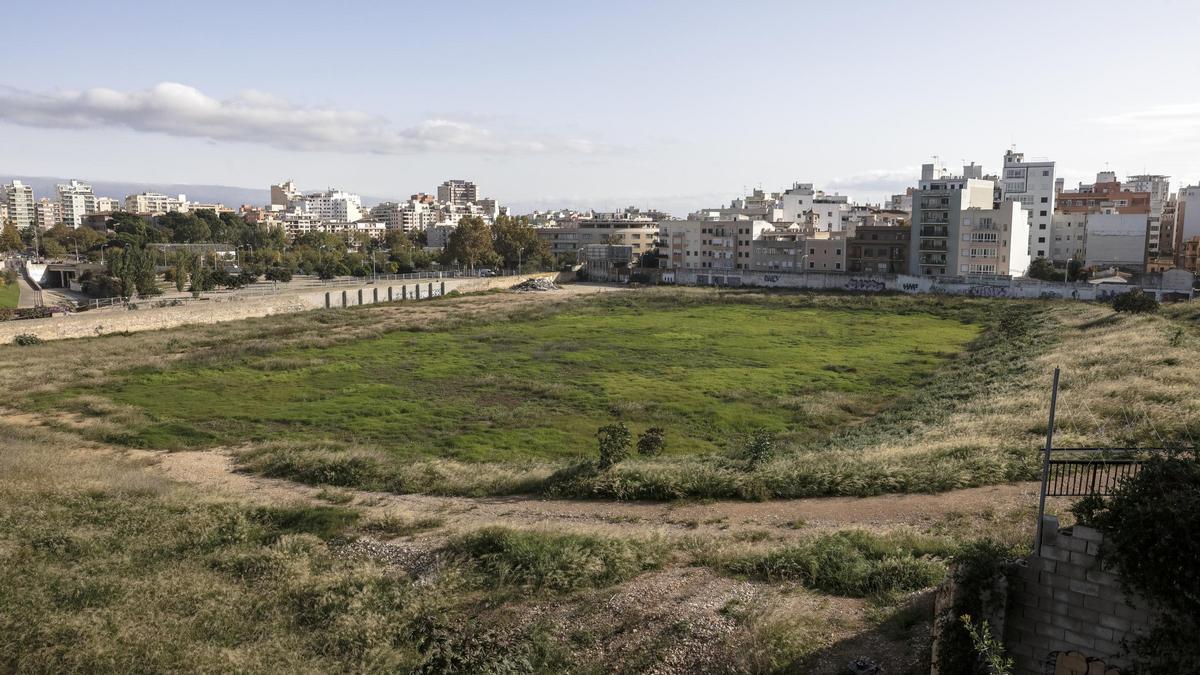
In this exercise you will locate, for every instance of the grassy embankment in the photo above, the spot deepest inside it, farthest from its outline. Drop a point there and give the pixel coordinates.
(10, 294)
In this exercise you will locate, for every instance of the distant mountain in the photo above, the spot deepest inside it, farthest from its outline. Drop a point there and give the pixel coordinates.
(229, 195)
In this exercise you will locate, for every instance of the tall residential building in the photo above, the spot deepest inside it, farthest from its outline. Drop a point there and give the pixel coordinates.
(48, 213)
(283, 194)
(332, 205)
(153, 202)
(938, 204)
(18, 197)
(1032, 184)
(107, 205)
(879, 249)
(458, 192)
(719, 245)
(77, 201)
(1187, 216)
(1168, 245)
(1159, 188)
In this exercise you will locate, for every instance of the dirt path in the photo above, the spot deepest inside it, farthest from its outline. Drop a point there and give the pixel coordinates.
(214, 471)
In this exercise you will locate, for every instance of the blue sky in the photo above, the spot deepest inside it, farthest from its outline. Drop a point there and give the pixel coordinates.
(672, 104)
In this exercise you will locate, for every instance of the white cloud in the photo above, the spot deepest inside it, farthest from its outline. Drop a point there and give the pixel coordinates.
(258, 117)
(891, 181)
(1164, 125)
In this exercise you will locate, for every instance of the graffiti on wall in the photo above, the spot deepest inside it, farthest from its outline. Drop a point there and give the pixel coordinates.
(865, 285)
(911, 288)
(771, 278)
(988, 292)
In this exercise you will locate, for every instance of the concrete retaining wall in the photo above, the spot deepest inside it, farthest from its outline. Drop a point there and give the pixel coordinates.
(233, 307)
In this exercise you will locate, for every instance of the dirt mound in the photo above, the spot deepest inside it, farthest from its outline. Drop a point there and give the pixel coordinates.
(536, 284)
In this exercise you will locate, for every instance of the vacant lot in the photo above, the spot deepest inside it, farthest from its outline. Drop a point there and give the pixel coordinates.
(539, 388)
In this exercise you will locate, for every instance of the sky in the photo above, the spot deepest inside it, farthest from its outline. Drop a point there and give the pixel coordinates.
(674, 105)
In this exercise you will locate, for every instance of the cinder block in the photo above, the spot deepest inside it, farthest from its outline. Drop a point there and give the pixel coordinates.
(1079, 640)
(1047, 630)
(1093, 548)
(1085, 587)
(1063, 595)
(1101, 605)
(1084, 614)
(1124, 611)
(1060, 608)
(1060, 554)
(1106, 649)
(1116, 623)
(1049, 565)
(1037, 615)
(1059, 581)
(1073, 570)
(1102, 578)
(1101, 633)
(1086, 533)
(1082, 560)
(1076, 545)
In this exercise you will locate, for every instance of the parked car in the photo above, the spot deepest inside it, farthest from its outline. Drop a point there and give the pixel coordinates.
(485, 272)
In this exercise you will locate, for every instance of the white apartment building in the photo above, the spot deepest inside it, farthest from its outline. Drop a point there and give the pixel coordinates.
(408, 216)
(991, 242)
(107, 205)
(1187, 215)
(718, 245)
(1032, 185)
(938, 204)
(77, 201)
(295, 227)
(332, 205)
(458, 192)
(18, 198)
(620, 228)
(1159, 188)
(153, 202)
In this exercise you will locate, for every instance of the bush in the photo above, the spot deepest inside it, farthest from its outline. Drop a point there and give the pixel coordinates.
(1149, 525)
(759, 447)
(614, 440)
(27, 339)
(652, 442)
(559, 562)
(279, 274)
(1135, 302)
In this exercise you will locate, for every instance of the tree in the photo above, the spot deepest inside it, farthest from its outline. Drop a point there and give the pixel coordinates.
(614, 440)
(517, 242)
(134, 269)
(1135, 302)
(278, 274)
(649, 259)
(1043, 269)
(10, 238)
(470, 243)
(652, 442)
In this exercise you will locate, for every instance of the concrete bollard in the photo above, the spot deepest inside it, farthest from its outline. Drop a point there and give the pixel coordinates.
(360, 296)
(417, 292)
(404, 292)
(431, 289)
(326, 299)
(343, 299)
(374, 295)
(389, 293)
(443, 288)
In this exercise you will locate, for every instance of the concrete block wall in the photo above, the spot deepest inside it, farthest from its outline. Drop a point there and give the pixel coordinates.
(1064, 609)
(234, 307)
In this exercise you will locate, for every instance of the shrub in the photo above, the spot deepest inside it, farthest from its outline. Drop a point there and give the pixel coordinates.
(559, 562)
(278, 274)
(759, 447)
(1147, 526)
(652, 442)
(27, 339)
(614, 440)
(1135, 302)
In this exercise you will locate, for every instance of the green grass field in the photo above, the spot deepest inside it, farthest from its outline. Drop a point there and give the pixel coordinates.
(538, 389)
(9, 294)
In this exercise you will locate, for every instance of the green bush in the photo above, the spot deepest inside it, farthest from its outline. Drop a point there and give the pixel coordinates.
(652, 442)
(760, 447)
(27, 339)
(1135, 302)
(558, 562)
(1149, 527)
(614, 440)
(852, 563)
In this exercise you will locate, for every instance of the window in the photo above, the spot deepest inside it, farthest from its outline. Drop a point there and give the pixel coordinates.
(1045, 200)
(1041, 226)
(1042, 213)
(1041, 240)
(1046, 173)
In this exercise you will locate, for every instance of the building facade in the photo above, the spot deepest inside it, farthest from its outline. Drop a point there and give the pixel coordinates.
(458, 192)
(18, 198)
(77, 201)
(154, 202)
(1031, 184)
(938, 204)
(1159, 188)
(718, 244)
(878, 249)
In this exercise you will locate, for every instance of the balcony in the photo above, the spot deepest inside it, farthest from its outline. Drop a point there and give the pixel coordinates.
(933, 245)
(935, 232)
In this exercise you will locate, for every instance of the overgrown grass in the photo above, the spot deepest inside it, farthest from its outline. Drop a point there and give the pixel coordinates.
(555, 561)
(10, 294)
(709, 372)
(851, 563)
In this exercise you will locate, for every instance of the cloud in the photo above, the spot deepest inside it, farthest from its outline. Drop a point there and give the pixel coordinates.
(892, 181)
(1162, 125)
(259, 117)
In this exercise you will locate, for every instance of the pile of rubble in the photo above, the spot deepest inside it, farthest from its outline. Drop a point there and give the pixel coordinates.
(536, 284)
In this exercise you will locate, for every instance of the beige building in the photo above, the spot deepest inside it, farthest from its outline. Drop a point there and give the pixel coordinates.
(18, 197)
(709, 244)
(566, 237)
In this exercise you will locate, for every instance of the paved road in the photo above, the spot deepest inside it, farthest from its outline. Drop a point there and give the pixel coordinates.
(29, 297)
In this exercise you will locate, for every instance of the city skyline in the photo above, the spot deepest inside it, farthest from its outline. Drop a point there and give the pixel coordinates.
(552, 106)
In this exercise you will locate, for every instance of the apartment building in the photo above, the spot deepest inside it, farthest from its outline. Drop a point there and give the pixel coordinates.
(77, 201)
(295, 227)
(1032, 185)
(154, 202)
(408, 216)
(283, 195)
(332, 205)
(878, 249)
(1068, 237)
(47, 213)
(991, 242)
(938, 204)
(18, 199)
(1159, 188)
(619, 228)
(1168, 242)
(1187, 215)
(716, 244)
(758, 205)
(902, 202)
(458, 192)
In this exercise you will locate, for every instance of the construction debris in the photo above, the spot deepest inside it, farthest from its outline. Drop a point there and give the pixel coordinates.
(536, 284)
